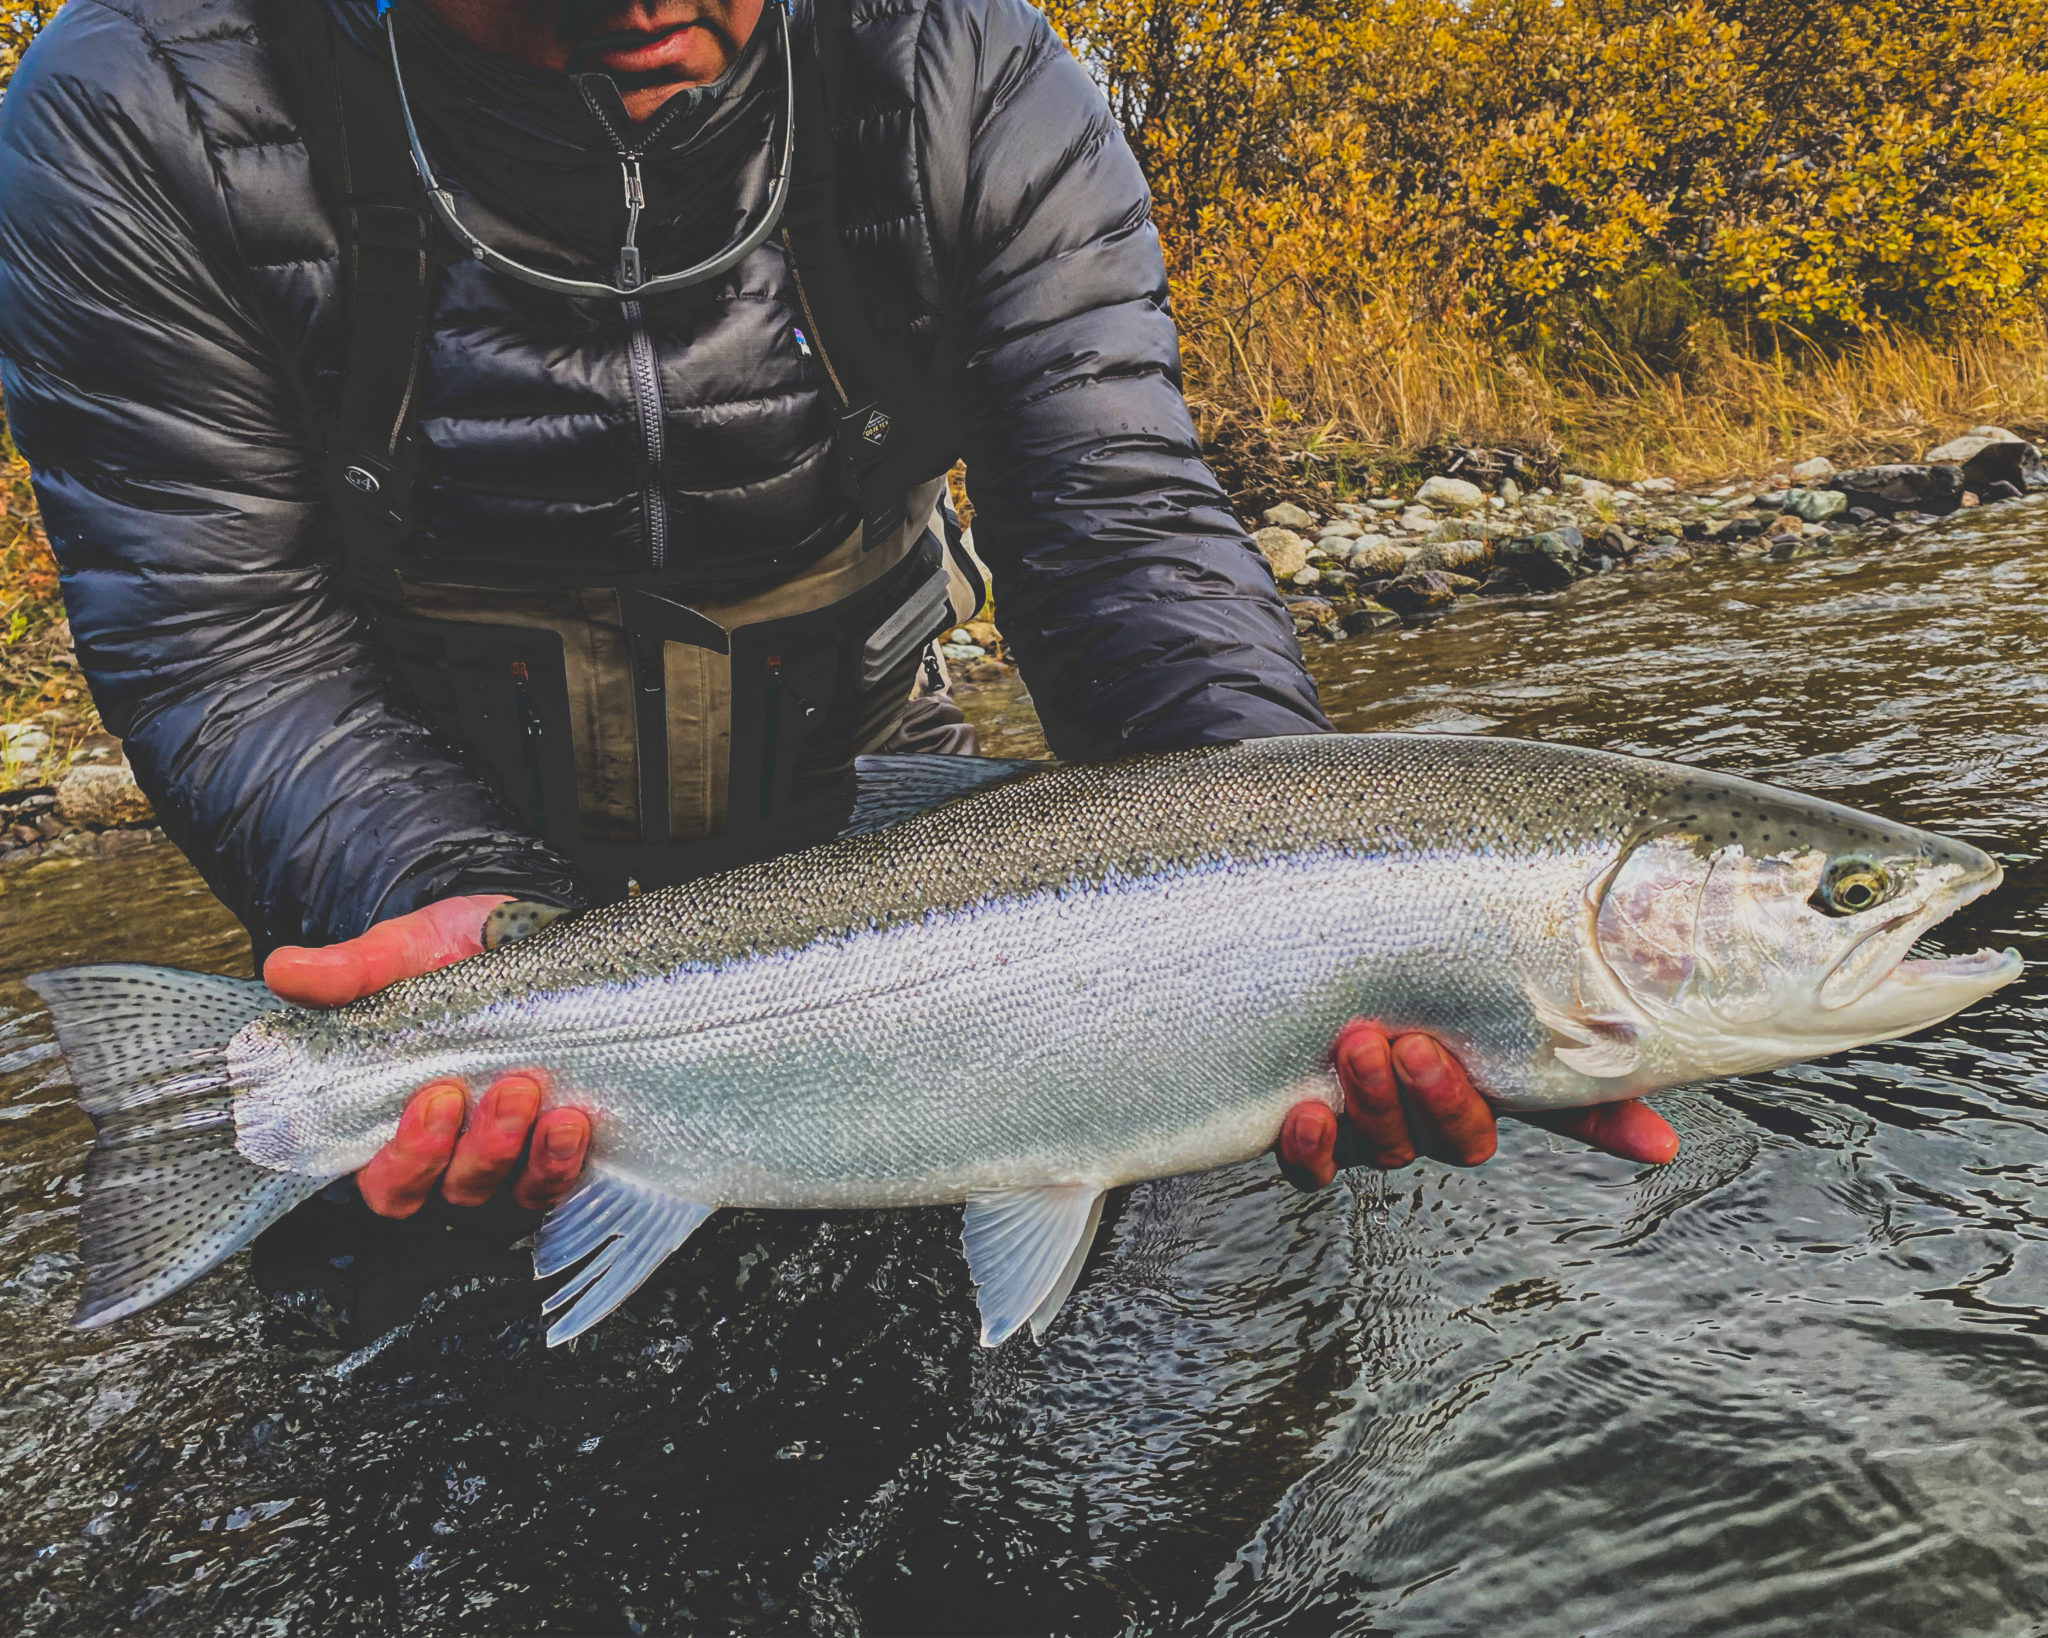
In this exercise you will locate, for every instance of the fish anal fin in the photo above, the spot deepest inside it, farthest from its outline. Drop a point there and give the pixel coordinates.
(1025, 1248)
(891, 788)
(631, 1228)
(1046, 1312)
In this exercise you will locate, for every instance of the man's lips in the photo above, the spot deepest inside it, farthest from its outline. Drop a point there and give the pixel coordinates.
(637, 53)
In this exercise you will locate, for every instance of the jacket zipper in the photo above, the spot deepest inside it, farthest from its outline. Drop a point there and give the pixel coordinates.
(647, 406)
(803, 300)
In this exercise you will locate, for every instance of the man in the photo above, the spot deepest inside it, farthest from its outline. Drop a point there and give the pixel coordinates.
(578, 521)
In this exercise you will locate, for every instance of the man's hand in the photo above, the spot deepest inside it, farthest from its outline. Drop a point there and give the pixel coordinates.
(431, 1146)
(1406, 1096)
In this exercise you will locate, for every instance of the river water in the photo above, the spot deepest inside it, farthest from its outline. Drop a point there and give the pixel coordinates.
(1796, 1382)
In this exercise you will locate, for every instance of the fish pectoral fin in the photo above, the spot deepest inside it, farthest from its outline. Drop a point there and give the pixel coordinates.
(1025, 1248)
(889, 788)
(631, 1227)
(1601, 1047)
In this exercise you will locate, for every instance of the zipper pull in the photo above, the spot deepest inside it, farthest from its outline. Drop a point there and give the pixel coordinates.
(636, 201)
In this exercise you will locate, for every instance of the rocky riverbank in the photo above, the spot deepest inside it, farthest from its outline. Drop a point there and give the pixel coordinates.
(1489, 525)
(1486, 524)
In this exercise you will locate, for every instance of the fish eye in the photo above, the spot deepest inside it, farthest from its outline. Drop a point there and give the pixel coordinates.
(1851, 886)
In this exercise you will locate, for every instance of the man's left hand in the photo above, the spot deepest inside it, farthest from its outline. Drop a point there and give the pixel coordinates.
(1405, 1096)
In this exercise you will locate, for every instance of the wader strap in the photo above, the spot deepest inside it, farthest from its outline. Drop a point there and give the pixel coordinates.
(888, 413)
(355, 136)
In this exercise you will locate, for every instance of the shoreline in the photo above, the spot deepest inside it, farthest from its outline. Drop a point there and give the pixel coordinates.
(1487, 525)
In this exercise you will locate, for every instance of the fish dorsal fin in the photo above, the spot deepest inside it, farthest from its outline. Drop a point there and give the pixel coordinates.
(1025, 1248)
(897, 787)
(631, 1227)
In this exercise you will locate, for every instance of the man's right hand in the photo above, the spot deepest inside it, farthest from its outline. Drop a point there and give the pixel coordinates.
(431, 1146)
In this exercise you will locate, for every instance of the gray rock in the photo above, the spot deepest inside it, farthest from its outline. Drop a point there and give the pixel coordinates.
(1510, 491)
(1420, 591)
(1376, 557)
(1992, 455)
(1341, 529)
(1816, 471)
(1656, 486)
(1816, 505)
(1309, 613)
(1307, 576)
(1541, 562)
(1285, 552)
(1289, 516)
(1453, 555)
(1655, 558)
(1386, 503)
(1891, 489)
(1451, 495)
(102, 797)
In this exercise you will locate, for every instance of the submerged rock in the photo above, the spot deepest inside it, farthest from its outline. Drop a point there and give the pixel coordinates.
(1420, 591)
(1542, 562)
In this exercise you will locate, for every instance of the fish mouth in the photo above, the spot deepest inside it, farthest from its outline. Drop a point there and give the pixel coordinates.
(1878, 980)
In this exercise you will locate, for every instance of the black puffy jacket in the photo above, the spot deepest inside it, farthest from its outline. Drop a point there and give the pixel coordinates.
(172, 344)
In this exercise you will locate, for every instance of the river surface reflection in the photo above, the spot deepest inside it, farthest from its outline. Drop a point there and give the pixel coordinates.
(1795, 1382)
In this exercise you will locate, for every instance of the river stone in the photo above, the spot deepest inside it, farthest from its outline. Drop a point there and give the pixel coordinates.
(1308, 613)
(1890, 489)
(1419, 591)
(1816, 471)
(1285, 552)
(1816, 505)
(1452, 555)
(1340, 529)
(1990, 455)
(102, 797)
(1450, 495)
(1368, 616)
(1289, 516)
(1662, 557)
(1376, 558)
(1656, 486)
(1308, 576)
(1541, 562)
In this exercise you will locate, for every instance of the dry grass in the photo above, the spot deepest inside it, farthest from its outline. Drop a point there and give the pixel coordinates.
(36, 670)
(1366, 386)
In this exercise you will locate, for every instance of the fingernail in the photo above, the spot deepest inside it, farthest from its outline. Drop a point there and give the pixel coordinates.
(1419, 1060)
(518, 1103)
(563, 1140)
(444, 1113)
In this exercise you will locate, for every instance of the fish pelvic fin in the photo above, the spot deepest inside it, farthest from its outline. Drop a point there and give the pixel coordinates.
(1025, 1249)
(167, 1195)
(632, 1228)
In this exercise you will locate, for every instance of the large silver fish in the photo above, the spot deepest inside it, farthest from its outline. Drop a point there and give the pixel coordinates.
(1017, 985)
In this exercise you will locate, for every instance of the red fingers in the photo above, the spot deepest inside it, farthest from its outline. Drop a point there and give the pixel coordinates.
(1448, 1118)
(1308, 1144)
(403, 1173)
(561, 1139)
(1630, 1129)
(1372, 1099)
(403, 947)
(490, 1148)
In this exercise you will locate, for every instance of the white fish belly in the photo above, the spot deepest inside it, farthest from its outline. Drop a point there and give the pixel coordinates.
(1098, 1035)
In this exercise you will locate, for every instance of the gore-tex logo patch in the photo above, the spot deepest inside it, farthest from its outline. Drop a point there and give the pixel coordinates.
(876, 431)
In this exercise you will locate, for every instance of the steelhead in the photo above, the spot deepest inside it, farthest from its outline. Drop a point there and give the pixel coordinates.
(1017, 985)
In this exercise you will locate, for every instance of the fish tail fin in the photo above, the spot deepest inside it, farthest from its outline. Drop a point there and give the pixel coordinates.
(167, 1195)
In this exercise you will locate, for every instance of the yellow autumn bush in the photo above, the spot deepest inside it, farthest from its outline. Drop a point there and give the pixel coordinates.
(1822, 164)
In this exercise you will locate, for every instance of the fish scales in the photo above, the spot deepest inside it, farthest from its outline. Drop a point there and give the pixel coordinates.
(994, 964)
(1077, 976)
